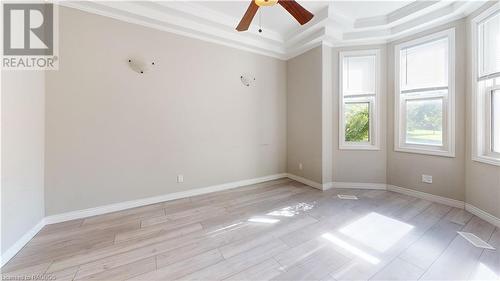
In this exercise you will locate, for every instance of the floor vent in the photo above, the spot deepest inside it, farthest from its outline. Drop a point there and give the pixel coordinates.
(474, 240)
(347, 197)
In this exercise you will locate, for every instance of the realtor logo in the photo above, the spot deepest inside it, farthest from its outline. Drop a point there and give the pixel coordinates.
(28, 36)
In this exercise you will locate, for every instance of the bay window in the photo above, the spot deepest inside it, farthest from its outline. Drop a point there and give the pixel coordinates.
(425, 96)
(486, 86)
(359, 100)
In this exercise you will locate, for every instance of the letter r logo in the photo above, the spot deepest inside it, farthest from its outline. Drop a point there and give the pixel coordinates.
(28, 29)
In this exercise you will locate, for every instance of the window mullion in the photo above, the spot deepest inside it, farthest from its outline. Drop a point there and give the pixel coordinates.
(489, 76)
(428, 89)
(353, 96)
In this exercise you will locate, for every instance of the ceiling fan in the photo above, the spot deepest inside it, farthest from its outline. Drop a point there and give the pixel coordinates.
(295, 9)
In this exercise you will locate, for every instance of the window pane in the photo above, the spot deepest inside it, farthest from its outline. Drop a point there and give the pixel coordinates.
(425, 65)
(495, 121)
(489, 36)
(359, 75)
(357, 122)
(424, 121)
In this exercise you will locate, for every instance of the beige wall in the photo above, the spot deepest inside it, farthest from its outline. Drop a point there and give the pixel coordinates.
(115, 135)
(370, 165)
(406, 169)
(482, 184)
(327, 118)
(304, 115)
(22, 122)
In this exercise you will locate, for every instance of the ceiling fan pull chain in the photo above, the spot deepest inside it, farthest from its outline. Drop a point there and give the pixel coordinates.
(260, 20)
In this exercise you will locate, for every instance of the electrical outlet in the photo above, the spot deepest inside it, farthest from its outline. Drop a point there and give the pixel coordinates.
(300, 166)
(180, 178)
(426, 178)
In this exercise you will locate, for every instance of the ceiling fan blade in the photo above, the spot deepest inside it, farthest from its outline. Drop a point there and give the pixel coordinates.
(248, 17)
(297, 11)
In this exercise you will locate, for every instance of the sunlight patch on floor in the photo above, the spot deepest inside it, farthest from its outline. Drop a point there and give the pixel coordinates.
(263, 220)
(291, 211)
(350, 248)
(483, 272)
(377, 231)
(229, 227)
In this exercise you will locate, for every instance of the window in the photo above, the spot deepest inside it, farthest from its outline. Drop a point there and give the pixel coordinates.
(489, 44)
(424, 101)
(359, 94)
(424, 125)
(486, 87)
(357, 121)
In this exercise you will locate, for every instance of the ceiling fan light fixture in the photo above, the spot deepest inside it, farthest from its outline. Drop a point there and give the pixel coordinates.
(263, 3)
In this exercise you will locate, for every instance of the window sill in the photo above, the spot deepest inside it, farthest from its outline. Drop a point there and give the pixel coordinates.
(433, 152)
(358, 147)
(487, 160)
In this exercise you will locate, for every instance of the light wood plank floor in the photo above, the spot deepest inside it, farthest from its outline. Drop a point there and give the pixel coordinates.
(280, 230)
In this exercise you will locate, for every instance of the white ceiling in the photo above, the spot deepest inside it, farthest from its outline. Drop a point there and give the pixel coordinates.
(335, 23)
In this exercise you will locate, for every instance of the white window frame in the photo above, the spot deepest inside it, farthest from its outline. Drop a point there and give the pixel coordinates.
(372, 98)
(400, 144)
(481, 101)
(489, 122)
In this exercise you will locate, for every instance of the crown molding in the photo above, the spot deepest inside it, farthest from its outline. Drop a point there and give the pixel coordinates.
(423, 18)
(413, 9)
(174, 22)
(328, 26)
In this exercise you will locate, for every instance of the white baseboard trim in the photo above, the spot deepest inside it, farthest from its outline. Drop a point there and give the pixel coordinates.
(359, 185)
(156, 199)
(14, 249)
(305, 181)
(328, 185)
(482, 214)
(427, 196)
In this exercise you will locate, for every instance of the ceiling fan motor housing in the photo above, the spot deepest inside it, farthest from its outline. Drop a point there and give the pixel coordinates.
(263, 3)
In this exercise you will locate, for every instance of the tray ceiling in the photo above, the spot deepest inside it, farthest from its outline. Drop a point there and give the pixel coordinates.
(336, 23)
